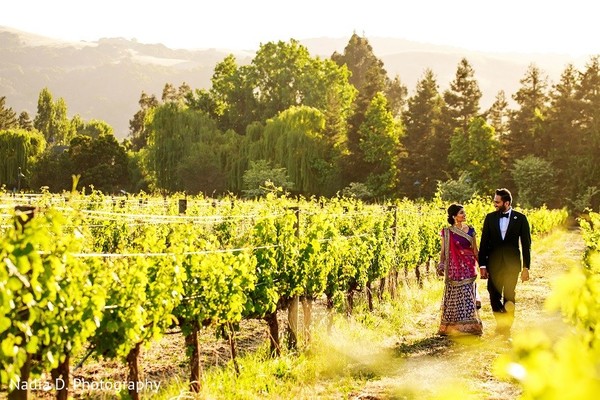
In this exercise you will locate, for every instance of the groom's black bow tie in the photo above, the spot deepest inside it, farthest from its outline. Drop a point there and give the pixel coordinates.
(504, 215)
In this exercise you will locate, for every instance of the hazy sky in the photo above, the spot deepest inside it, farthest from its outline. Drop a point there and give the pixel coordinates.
(525, 26)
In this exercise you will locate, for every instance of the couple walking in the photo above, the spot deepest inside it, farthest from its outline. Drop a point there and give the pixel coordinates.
(499, 260)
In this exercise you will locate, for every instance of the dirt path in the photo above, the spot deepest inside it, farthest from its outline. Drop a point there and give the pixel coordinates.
(429, 366)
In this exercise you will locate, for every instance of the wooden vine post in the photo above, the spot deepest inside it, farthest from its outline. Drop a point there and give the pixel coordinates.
(294, 301)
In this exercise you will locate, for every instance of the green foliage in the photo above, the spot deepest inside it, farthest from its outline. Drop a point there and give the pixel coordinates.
(369, 77)
(533, 177)
(53, 170)
(543, 220)
(462, 99)
(175, 134)
(357, 190)
(8, 118)
(281, 75)
(101, 162)
(585, 201)
(124, 271)
(526, 124)
(137, 125)
(261, 178)
(95, 128)
(380, 145)
(457, 190)
(476, 152)
(51, 119)
(19, 150)
(25, 122)
(201, 172)
(498, 115)
(296, 140)
(425, 143)
(51, 302)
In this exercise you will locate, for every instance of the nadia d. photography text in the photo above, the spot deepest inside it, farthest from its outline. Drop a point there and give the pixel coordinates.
(85, 385)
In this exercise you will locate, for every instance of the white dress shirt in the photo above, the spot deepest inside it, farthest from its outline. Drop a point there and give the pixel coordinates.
(504, 223)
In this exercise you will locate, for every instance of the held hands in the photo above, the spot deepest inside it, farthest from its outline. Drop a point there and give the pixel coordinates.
(483, 273)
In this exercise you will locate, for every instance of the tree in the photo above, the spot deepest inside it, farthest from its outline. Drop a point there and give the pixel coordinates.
(476, 153)
(296, 140)
(281, 75)
(19, 150)
(369, 77)
(498, 116)
(526, 125)
(95, 128)
(51, 119)
(8, 118)
(564, 131)
(427, 147)
(533, 177)
(261, 178)
(60, 129)
(380, 143)
(458, 190)
(171, 94)
(53, 170)
(137, 131)
(462, 99)
(201, 171)
(100, 161)
(230, 101)
(174, 132)
(45, 114)
(396, 93)
(588, 143)
(25, 121)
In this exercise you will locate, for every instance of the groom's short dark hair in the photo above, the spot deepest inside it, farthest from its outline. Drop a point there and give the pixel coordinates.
(504, 194)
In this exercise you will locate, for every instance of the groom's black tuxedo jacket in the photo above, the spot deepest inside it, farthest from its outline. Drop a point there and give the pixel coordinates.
(495, 252)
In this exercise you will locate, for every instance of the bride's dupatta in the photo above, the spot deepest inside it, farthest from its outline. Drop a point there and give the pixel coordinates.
(460, 256)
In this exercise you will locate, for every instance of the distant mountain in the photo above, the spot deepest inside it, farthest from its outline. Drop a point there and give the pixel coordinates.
(104, 79)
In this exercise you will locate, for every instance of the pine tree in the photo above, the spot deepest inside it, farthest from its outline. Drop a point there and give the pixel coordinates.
(8, 118)
(526, 135)
(588, 173)
(137, 127)
(563, 134)
(380, 143)
(45, 114)
(25, 121)
(498, 116)
(425, 142)
(369, 77)
(462, 99)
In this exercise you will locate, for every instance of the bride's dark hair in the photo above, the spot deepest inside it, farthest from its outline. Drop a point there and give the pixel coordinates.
(453, 212)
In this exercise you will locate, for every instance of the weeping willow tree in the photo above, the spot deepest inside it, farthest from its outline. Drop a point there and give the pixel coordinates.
(18, 149)
(295, 140)
(179, 140)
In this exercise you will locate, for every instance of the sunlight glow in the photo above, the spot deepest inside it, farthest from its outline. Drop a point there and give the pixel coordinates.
(517, 371)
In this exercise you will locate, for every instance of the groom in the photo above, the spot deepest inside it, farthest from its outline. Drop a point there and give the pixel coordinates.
(500, 258)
